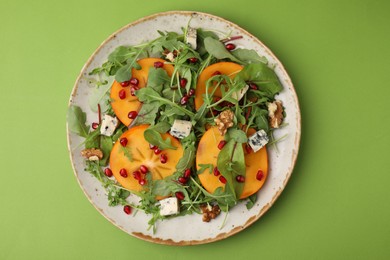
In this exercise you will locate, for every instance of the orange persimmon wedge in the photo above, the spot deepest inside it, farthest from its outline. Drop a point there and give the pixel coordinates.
(122, 107)
(207, 153)
(141, 155)
(224, 68)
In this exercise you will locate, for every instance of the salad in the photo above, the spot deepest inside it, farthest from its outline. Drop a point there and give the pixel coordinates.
(185, 124)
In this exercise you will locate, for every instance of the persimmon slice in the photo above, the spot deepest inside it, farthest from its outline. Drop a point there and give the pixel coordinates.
(141, 154)
(122, 107)
(225, 68)
(207, 153)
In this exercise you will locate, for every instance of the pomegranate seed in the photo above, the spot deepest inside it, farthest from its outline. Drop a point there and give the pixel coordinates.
(108, 172)
(143, 169)
(240, 178)
(158, 64)
(122, 94)
(216, 99)
(95, 125)
(187, 173)
(132, 114)
(248, 148)
(230, 46)
(123, 172)
(259, 175)
(216, 172)
(125, 83)
(123, 141)
(132, 90)
(222, 179)
(163, 158)
(214, 111)
(137, 175)
(134, 81)
(193, 60)
(157, 151)
(253, 86)
(191, 92)
(221, 144)
(215, 73)
(179, 195)
(182, 180)
(184, 100)
(152, 147)
(183, 82)
(142, 182)
(127, 209)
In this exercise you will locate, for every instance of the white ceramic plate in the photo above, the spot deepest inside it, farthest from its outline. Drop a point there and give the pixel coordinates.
(190, 229)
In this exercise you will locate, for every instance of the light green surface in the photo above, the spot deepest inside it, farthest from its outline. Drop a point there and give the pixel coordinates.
(336, 205)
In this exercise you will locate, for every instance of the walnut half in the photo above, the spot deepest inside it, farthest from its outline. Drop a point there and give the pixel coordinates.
(275, 113)
(224, 121)
(210, 212)
(92, 154)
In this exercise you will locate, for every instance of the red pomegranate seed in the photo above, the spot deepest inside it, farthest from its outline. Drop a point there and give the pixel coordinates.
(158, 64)
(134, 81)
(248, 148)
(240, 178)
(184, 100)
(253, 86)
(122, 94)
(142, 182)
(132, 90)
(183, 82)
(137, 175)
(193, 60)
(157, 151)
(182, 180)
(132, 114)
(230, 46)
(216, 172)
(143, 169)
(187, 173)
(221, 144)
(127, 209)
(179, 195)
(123, 141)
(222, 179)
(125, 83)
(259, 175)
(215, 73)
(108, 172)
(95, 125)
(123, 172)
(191, 92)
(163, 158)
(152, 146)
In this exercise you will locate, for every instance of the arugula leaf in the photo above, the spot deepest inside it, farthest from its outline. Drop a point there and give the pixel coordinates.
(201, 35)
(248, 56)
(187, 160)
(218, 49)
(76, 121)
(237, 135)
(127, 152)
(92, 140)
(158, 79)
(98, 96)
(204, 167)
(263, 76)
(231, 162)
(251, 201)
(153, 136)
(147, 114)
(106, 145)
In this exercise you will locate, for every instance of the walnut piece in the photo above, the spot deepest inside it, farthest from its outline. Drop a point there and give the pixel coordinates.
(210, 212)
(92, 154)
(224, 121)
(275, 113)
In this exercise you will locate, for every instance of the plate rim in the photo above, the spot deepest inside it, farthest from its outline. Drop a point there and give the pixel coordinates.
(295, 149)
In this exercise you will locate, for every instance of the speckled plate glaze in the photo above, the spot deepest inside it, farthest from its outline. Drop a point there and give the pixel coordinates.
(188, 230)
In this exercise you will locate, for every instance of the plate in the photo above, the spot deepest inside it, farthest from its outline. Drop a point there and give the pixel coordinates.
(190, 229)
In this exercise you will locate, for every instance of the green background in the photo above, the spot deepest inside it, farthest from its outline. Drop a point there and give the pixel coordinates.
(336, 204)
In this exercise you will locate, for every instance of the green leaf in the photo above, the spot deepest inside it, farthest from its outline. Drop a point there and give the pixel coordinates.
(158, 79)
(154, 137)
(187, 160)
(218, 49)
(248, 56)
(204, 167)
(106, 145)
(201, 36)
(251, 201)
(127, 152)
(231, 162)
(98, 96)
(237, 135)
(76, 121)
(263, 76)
(147, 114)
